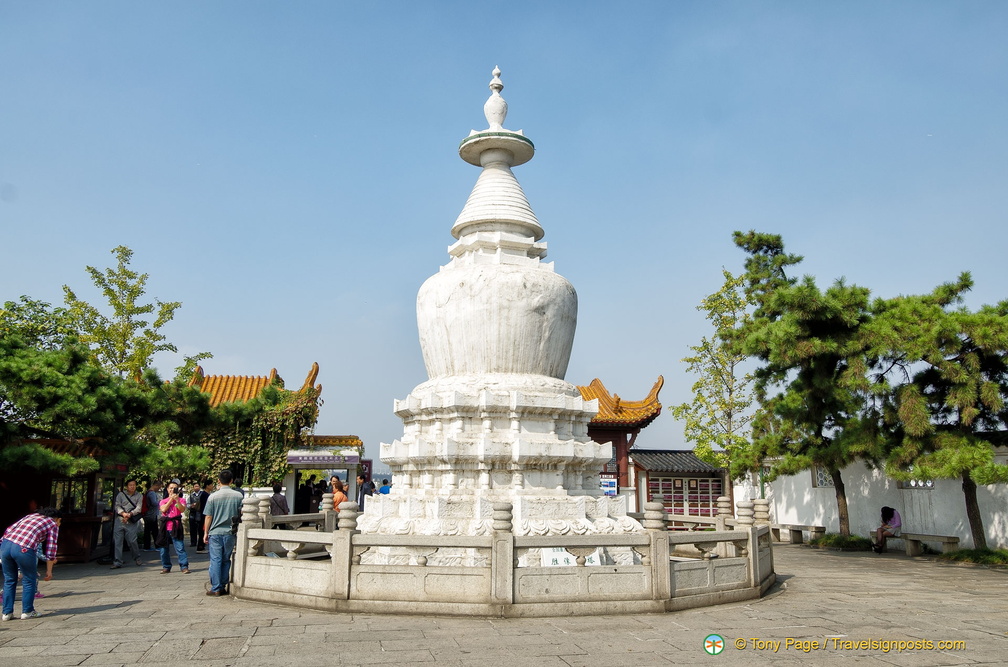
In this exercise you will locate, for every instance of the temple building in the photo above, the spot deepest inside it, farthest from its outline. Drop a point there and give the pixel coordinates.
(619, 422)
(241, 389)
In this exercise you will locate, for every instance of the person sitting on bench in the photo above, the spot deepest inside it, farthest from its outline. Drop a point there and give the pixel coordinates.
(891, 525)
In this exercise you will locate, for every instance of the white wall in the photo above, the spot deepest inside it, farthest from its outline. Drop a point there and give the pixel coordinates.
(938, 511)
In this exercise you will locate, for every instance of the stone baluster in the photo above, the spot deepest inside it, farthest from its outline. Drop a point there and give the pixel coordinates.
(250, 519)
(502, 517)
(502, 554)
(761, 511)
(264, 513)
(347, 525)
(348, 513)
(744, 512)
(723, 512)
(330, 513)
(654, 516)
(250, 512)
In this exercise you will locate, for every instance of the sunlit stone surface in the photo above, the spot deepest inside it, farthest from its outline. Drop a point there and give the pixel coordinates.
(496, 421)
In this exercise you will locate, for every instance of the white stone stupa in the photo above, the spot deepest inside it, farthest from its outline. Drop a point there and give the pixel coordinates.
(496, 421)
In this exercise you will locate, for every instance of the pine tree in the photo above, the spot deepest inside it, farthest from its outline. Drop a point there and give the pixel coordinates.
(810, 383)
(949, 413)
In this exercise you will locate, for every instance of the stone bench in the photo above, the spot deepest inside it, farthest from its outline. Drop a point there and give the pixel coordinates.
(912, 542)
(796, 532)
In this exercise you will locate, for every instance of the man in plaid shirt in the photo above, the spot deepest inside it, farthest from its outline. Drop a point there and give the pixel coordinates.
(18, 551)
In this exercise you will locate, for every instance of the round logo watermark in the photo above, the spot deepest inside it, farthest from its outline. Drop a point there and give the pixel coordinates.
(713, 644)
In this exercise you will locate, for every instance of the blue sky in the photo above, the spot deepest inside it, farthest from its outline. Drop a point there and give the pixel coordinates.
(289, 171)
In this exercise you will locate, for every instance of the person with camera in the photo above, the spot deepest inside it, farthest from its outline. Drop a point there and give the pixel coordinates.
(170, 532)
(221, 509)
(128, 507)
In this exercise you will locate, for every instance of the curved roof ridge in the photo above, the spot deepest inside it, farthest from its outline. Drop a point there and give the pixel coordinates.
(242, 388)
(616, 411)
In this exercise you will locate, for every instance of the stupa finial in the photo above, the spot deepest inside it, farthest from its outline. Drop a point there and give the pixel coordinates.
(496, 108)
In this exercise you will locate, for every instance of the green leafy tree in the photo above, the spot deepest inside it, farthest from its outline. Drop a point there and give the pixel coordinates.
(126, 340)
(76, 373)
(37, 323)
(949, 413)
(814, 359)
(717, 420)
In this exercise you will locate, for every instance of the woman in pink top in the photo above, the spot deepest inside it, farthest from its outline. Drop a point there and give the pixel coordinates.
(891, 526)
(170, 531)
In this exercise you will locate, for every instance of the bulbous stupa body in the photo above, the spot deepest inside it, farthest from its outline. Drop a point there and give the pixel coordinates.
(496, 421)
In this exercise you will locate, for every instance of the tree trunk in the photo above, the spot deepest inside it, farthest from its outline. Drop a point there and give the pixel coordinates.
(841, 501)
(973, 512)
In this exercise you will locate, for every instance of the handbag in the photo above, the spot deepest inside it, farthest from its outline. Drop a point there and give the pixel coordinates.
(133, 517)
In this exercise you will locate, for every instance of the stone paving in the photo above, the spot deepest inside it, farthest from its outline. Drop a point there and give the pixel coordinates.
(96, 616)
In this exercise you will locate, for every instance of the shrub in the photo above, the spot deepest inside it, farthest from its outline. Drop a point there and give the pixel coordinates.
(844, 543)
(982, 556)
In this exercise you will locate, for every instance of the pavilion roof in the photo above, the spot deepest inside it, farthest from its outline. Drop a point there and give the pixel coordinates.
(242, 388)
(670, 460)
(618, 413)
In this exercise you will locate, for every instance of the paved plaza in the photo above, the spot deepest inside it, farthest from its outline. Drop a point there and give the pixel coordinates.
(97, 616)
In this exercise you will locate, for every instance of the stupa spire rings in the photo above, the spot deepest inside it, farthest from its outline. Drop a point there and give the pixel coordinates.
(496, 107)
(517, 148)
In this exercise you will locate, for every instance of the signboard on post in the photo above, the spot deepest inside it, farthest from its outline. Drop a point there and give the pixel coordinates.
(321, 459)
(609, 483)
(367, 465)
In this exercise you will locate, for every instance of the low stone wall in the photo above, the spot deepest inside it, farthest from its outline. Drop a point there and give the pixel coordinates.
(608, 573)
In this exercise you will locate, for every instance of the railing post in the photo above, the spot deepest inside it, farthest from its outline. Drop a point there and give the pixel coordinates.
(263, 510)
(761, 512)
(341, 551)
(502, 560)
(249, 520)
(744, 514)
(331, 513)
(723, 512)
(661, 575)
(754, 565)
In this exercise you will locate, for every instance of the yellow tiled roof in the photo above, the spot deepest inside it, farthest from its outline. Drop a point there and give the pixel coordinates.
(241, 388)
(334, 441)
(613, 410)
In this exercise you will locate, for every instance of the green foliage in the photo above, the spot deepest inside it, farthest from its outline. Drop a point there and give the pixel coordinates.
(717, 419)
(73, 373)
(813, 357)
(189, 362)
(58, 393)
(259, 432)
(981, 556)
(842, 542)
(37, 323)
(913, 383)
(125, 341)
(948, 414)
(33, 456)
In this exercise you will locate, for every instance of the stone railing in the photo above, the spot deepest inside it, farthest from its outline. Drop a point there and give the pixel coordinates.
(500, 574)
